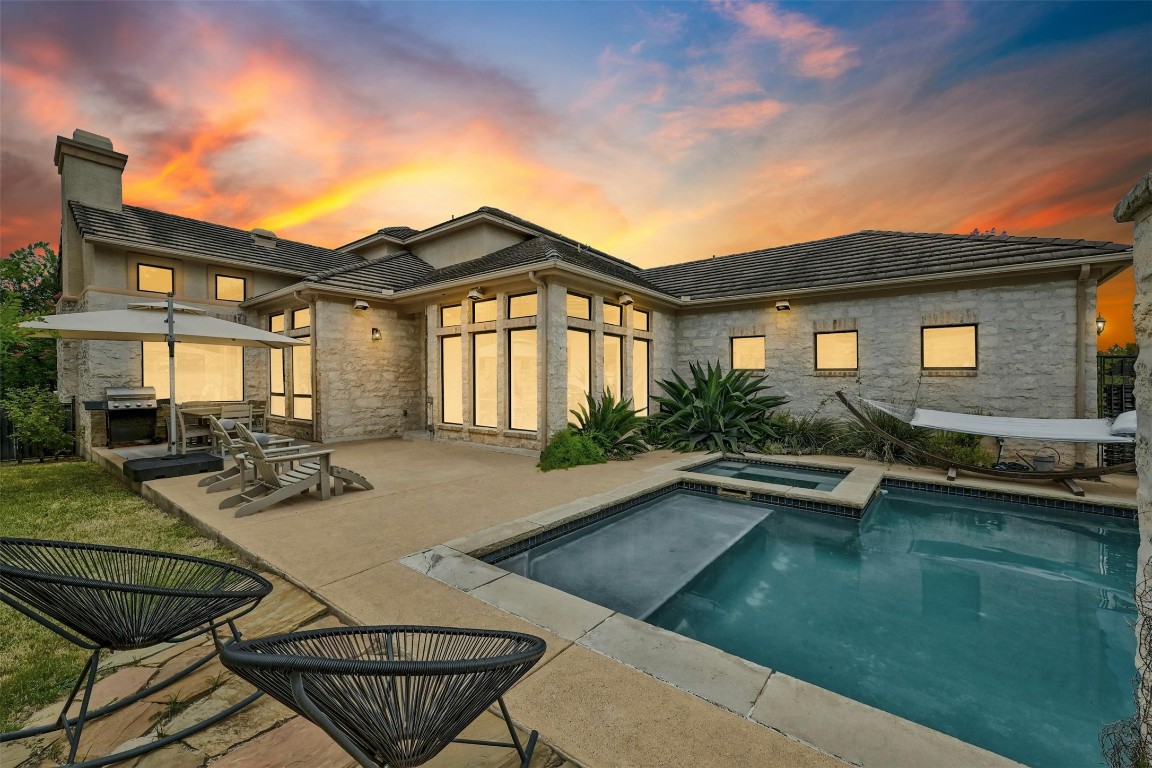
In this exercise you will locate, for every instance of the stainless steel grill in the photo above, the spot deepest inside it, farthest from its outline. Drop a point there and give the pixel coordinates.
(130, 398)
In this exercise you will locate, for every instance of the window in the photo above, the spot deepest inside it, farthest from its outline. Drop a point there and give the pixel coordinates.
(522, 306)
(579, 367)
(748, 353)
(640, 320)
(640, 376)
(449, 316)
(302, 380)
(451, 380)
(301, 318)
(203, 371)
(276, 323)
(613, 314)
(229, 288)
(613, 365)
(579, 307)
(484, 311)
(276, 400)
(836, 351)
(484, 376)
(948, 346)
(522, 377)
(155, 279)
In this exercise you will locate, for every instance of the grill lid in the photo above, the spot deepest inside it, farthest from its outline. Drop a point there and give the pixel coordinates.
(130, 397)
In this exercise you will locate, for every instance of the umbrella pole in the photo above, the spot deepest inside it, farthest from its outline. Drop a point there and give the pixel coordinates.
(171, 378)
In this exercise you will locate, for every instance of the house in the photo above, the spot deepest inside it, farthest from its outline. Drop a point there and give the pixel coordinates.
(488, 328)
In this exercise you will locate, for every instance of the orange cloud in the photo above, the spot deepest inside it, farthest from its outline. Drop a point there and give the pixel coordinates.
(684, 128)
(815, 51)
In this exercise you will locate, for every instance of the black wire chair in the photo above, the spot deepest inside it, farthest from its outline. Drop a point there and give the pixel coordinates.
(391, 695)
(119, 598)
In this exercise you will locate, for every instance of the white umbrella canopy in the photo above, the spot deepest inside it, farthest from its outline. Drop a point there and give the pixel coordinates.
(149, 322)
(158, 321)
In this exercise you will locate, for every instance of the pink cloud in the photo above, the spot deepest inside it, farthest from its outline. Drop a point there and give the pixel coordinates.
(814, 50)
(684, 128)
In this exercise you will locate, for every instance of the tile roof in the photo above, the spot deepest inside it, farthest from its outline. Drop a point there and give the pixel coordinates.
(148, 228)
(399, 233)
(862, 257)
(393, 271)
(534, 251)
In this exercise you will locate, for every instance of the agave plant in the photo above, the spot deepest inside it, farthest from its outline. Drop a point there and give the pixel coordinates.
(725, 412)
(610, 423)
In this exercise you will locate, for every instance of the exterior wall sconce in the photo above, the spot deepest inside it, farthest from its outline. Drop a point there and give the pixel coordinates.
(625, 300)
(360, 304)
(475, 294)
(1100, 321)
(376, 335)
(783, 306)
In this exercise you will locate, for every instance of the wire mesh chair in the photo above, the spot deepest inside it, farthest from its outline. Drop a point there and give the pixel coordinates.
(391, 695)
(118, 598)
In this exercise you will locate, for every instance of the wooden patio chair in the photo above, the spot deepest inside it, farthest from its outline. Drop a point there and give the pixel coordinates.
(259, 413)
(282, 476)
(189, 428)
(238, 474)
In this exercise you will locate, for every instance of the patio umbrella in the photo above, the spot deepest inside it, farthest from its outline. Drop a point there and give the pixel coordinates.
(158, 321)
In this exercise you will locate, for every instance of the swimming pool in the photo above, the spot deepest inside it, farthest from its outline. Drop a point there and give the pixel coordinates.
(1005, 625)
(772, 472)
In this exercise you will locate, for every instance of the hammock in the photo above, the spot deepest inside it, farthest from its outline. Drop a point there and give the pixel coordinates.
(1007, 427)
(1002, 428)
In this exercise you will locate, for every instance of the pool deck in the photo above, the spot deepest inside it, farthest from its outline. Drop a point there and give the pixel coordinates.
(371, 557)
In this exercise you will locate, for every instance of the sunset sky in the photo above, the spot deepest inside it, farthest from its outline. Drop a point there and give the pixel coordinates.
(659, 132)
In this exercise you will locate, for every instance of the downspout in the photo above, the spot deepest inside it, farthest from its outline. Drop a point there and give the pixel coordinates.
(542, 363)
(1081, 397)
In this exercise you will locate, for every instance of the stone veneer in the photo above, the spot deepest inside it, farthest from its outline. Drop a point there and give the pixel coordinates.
(1136, 207)
(1024, 335)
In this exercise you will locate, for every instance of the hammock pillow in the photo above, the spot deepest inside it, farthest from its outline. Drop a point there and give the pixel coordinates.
(1124, 424)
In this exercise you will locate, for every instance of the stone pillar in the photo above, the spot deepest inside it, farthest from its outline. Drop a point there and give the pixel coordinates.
(557, 373)
(1136, 207)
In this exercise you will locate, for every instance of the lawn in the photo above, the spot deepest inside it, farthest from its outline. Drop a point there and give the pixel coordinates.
(73, 501)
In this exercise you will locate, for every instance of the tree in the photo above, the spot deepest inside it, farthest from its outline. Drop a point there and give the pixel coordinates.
(29, 284)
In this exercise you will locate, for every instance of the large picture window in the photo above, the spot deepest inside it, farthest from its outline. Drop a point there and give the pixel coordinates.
(203, 371)
(484, 379)
(948, 346)
(614, 365)
(640, 376)
(748, 353)
(522, 378)
(451, 380)
(579, 367)
(153, 279)
(836, 351)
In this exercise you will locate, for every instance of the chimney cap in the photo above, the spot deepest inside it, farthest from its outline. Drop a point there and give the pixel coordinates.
(92, 139)
(264, 237)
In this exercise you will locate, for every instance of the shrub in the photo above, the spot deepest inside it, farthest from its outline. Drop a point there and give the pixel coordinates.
(652, 432)
(611, 424)
(859, 440)
(806, 434)
(37, 421)
(718, 411)
(959, 447)
(566, 449)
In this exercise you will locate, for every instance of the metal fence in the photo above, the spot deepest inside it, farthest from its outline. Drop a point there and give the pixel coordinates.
(1115, 392)
(8, 450)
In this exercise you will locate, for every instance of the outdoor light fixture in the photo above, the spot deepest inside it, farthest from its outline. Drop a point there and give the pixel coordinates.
(475, 294)
(1100, 321)
(625, 300)
(360, 304)
(376, 335)
(783, 306)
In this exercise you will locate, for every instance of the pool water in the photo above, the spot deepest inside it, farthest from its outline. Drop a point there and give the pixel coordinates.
(1004, 625)
(780, 474)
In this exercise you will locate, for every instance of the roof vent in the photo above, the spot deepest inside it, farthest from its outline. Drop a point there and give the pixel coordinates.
(264, 237)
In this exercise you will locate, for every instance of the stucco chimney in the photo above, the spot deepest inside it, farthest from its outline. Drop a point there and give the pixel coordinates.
(90, 170)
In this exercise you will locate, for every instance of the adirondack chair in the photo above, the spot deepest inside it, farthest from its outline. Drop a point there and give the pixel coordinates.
(238, 474)
(282, 476)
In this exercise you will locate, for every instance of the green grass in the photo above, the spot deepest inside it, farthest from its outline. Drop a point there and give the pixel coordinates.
(72, 501)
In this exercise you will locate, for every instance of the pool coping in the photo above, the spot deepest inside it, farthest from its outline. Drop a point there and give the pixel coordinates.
(832, 723)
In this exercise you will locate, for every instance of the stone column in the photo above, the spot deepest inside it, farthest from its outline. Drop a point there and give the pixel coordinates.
(557, 333)
(1136, 207)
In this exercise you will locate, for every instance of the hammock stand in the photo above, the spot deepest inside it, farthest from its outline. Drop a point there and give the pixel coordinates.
(1066, 477)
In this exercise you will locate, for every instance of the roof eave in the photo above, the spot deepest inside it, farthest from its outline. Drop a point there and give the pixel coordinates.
(137, 247)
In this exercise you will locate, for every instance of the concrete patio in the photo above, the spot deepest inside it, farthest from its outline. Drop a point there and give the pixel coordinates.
(592, 709)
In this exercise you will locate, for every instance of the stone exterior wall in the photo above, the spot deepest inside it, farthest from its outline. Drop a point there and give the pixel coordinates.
(1026, 341)
(1137, 208)
(365, 388)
